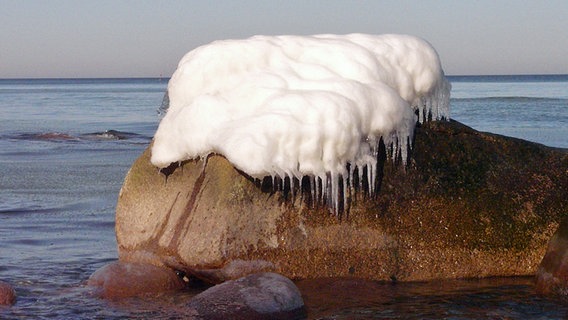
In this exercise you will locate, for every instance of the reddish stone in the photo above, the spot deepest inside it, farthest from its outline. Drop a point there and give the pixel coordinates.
(7, 294)
(121, 279)
(552, 274)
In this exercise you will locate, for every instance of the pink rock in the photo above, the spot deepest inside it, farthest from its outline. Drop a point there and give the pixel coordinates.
(122, 279)
(7, 294)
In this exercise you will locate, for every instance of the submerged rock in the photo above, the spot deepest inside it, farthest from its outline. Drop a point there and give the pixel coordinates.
(552, 274)
(7, 294)
(120, 280)
(257, 296)
(468, 204)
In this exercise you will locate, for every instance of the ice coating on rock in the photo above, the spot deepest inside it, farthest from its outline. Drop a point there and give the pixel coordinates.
(295, 106)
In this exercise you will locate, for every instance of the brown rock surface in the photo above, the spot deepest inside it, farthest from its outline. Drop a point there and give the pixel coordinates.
(469, 204)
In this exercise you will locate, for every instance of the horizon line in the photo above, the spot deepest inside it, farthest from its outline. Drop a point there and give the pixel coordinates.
(162, 77)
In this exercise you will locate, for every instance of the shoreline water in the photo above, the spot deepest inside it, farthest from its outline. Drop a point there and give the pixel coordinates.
(58, 196)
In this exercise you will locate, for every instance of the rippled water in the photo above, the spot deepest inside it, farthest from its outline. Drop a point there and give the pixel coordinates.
(65, 146)
(534, 108)
(495, 298)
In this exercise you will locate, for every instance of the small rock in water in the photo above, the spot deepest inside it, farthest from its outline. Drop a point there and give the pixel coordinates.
(7, 294)
(257, 296)
(122, 279)
(552, 274)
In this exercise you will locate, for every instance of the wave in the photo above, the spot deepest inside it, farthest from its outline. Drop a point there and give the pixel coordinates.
(512, 99)
(45, 136)
(510, 78)
(112, 135)
(31, 209)
(25, 207)
(66, 137)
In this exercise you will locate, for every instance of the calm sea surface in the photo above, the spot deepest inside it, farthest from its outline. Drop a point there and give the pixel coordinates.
(66, 145)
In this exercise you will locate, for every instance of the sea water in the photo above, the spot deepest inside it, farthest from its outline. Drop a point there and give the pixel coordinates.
(66, 145)
(533, 108)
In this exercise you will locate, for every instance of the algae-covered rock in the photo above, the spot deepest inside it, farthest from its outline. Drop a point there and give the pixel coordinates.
(467, 204)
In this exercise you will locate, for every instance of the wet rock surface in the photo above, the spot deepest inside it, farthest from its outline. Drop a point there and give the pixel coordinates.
(257, 296)
(121, 280)
(7, 294)
(468, 204)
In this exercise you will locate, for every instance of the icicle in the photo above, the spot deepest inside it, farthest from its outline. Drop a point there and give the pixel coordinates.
(404, 151)
(344, 185)
(335, 191)
(316, 191)
(282, 183)
(325, 191)
(313, 189)
(369, 178)
(350, 182)
(394, 150)
(292, 189)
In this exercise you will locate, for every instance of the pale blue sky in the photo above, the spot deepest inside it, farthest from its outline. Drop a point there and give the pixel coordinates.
(112, 38)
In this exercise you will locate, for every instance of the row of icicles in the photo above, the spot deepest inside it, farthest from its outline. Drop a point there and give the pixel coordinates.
(336, 191)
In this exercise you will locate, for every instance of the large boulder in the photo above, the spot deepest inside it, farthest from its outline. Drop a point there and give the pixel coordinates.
(467, 204)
